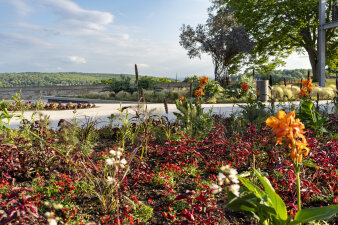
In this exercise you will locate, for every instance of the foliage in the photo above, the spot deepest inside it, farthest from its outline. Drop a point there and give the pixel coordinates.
(269, 208)
(275, 39)
(192, 115)
(78, 177)
(38, 105)
(252, 110)
(19, 207)
(5, 115)
(122, 84)
(192, 79)
(212, 89)
(222, 38)
(49, 79)
(310, 117)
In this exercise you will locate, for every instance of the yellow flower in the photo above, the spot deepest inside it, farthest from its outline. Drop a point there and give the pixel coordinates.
(291, 131)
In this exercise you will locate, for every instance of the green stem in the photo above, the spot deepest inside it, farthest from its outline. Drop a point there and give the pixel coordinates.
(298, 188)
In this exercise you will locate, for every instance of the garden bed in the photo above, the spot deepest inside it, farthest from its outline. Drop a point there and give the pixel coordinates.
(152, 170)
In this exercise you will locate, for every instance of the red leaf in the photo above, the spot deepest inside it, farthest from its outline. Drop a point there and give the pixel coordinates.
(201, 198)
(180, 197)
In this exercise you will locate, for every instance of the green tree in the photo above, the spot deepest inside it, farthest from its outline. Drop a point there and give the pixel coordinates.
(281, 26)
(122, 84)
(222, 38)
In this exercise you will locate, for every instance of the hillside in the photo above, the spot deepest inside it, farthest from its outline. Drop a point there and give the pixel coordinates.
(47, 79)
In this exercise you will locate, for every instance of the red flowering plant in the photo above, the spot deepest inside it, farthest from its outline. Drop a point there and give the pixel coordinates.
(18, 207)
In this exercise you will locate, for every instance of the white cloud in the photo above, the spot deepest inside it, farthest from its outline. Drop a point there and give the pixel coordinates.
(72, 16)
(17, 40)
(22, 8)
(78, 39)
(77, 59)
(139, 65)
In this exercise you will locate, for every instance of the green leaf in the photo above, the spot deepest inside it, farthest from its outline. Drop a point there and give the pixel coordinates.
(251, 187)
(250, 204)
(318, 213)
(277, 202)
(310, 163)
(241, 203)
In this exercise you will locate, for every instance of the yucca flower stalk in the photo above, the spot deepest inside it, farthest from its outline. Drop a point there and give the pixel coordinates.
(136, 80)
(165, 106)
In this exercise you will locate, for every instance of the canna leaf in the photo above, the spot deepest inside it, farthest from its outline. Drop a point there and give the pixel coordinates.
(251, 187)
(277, 203)
(318, 213)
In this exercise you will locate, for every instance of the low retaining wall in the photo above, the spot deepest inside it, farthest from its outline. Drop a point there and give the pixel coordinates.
(34, 92)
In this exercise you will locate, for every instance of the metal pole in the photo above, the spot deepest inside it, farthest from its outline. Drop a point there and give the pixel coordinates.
(321, 43)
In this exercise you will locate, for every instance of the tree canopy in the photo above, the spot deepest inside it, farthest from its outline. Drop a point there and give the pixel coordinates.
(279, 27)
(222, 38)
(50, 79)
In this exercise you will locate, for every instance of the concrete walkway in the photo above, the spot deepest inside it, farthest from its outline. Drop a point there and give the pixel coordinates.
(102, 111)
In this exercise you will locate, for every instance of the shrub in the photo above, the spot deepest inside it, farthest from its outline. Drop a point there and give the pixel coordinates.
(122, 95)
(277, 92)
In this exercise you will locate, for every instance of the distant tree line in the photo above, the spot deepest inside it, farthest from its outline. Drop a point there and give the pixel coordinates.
(52, 79)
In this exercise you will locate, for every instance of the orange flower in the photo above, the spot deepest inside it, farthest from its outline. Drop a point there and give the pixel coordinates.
(306, 88)
(199, 92)
(303, 93)
(257, 92)
(244, 87)
(291, 131)
(307, 84)
(181, 99)
(204, 80)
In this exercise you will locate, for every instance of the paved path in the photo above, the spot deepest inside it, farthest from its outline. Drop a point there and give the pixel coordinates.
(102, 111)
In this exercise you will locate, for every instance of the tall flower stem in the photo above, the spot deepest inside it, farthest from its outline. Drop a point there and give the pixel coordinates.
(299, 201)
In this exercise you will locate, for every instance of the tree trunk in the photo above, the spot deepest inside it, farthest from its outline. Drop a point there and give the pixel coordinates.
(314, 61)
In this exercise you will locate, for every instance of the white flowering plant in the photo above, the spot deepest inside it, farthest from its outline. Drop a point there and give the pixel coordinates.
(267, 206)
(105, 181)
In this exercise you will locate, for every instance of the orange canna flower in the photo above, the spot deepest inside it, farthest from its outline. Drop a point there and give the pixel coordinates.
(199, 92)
(307, 84)
(244, 87)
(204, 80)
(181, 99)
(306, 88)
(291, 131)
(303, 93)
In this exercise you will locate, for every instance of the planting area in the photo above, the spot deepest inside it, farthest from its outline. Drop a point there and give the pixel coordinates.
(262, 166)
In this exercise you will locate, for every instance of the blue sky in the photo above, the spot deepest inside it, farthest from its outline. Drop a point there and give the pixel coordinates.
(107, 36)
